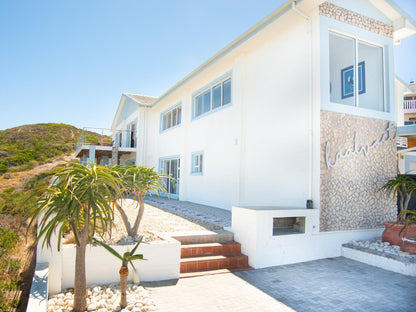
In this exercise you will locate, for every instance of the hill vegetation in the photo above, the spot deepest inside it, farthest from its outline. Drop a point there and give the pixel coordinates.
(24, 147)
(28, 157)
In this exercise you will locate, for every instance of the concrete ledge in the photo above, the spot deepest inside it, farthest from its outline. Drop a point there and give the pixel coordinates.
(382, 260)
(38, 297)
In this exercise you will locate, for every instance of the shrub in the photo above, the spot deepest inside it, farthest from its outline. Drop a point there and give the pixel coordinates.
(3, 168)
(8, 239)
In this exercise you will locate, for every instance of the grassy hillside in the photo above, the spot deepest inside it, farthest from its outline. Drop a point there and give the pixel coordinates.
(17, 252)
(28, 157)
(24, 147)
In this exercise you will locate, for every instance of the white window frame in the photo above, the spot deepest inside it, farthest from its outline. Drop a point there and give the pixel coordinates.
(358, 39)
(197, 166)
(328, 25)
(178, 121)
(210, 88)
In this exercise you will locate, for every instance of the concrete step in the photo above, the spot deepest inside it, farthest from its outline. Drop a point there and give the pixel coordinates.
(208, 249)
(200, 237)
(215, 262)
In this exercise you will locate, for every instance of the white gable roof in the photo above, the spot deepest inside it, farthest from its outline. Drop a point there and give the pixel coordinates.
(137, 99)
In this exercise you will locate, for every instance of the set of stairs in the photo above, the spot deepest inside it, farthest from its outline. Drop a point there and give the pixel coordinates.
(210, 253)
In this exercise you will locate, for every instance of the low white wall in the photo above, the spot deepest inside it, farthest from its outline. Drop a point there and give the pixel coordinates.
(253, 229)
(390, 264)
(38, 296)
(163, 263)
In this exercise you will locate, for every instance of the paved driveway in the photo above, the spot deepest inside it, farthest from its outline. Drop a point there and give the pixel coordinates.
(335, 285)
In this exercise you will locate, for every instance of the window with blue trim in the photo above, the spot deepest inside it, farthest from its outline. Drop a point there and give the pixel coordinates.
(197, 162)
(212, 98)
(171, 118)
(352, 60)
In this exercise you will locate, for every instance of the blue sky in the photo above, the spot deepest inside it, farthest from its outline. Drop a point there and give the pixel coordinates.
(70, 61)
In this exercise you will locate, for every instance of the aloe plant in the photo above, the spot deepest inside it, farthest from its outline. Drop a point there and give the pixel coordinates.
(408, 217)
(405, 187)
(79, 201)
(139, 181)
(126, 258)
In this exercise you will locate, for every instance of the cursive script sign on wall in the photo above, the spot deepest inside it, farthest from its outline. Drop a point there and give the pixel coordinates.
(388, 135)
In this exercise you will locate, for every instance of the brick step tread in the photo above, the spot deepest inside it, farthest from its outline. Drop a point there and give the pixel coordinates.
(205, 249)
(213, 272)
(213, 262)
(212, 257)
(209, 244)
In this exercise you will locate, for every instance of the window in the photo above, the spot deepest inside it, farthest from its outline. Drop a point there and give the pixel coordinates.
(171, 118)
(352, 60)
(197, 162)
(215, 97)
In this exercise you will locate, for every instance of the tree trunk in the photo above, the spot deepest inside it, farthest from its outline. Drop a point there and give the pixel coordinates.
(139, 217)
(125, 220)
(80, 281)
(124, 273)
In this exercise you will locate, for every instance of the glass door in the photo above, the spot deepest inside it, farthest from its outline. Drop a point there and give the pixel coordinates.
(171, 167)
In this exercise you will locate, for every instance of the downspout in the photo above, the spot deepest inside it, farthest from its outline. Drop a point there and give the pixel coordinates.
(310, 104)
(144, 137)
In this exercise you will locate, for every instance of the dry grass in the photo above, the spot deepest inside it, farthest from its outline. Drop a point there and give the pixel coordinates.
(18, 179)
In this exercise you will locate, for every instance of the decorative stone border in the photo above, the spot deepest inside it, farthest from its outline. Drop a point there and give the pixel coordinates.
(355, 19)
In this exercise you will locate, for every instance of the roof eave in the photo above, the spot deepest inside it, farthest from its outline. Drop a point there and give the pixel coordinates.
(231, 46)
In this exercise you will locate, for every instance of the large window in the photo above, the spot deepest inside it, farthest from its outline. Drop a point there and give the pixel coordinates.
(171, 118)
(352, 60)
(212, 98)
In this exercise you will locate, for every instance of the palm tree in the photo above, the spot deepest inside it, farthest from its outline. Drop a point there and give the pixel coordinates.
(79, 201)
(405, 187)
(139, 181)
(126, 258)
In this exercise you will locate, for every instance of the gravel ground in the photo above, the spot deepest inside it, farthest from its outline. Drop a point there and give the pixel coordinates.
(105, 299)
(376, 246)
(157, 220)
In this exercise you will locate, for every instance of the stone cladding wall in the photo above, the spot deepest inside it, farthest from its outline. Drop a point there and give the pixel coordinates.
(355, 19)
(350, 196)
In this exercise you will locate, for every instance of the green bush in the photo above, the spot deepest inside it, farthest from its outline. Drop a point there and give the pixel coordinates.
(8, 239)
(3, 168)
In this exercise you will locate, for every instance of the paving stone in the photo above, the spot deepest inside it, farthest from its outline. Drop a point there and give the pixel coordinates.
(336, 285)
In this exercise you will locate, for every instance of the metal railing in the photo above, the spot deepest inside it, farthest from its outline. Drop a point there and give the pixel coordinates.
(106, 137)
(409, 105)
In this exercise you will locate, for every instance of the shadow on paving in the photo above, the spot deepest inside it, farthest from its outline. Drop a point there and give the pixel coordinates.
(335, 284)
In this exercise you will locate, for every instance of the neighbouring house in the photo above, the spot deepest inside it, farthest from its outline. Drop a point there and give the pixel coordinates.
(298, 111)
(406, 129)
(409, 105)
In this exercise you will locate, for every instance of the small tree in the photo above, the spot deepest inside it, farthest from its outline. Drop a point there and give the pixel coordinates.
(405, 187)
(126, 258)
(138, 181)
(80, 201)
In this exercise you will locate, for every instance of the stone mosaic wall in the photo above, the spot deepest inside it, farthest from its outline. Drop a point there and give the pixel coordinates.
(355, 19)
(350, 199)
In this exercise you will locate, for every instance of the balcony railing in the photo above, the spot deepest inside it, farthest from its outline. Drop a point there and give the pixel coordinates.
(409, 106)
(106, 137)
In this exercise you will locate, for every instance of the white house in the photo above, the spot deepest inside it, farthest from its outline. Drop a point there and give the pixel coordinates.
(276, 119)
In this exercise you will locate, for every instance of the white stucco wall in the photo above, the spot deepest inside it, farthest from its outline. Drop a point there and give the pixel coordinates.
(253, 229)
(276, 121)
(162, 263)
(256, 149)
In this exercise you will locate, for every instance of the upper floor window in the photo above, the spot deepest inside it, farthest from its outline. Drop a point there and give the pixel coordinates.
(212, 98)
(356, 72)
(171, 118)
